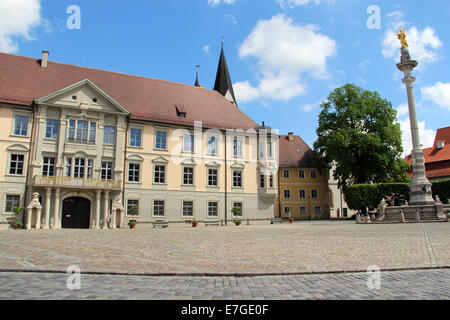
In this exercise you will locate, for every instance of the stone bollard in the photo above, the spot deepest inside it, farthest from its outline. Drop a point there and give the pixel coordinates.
(417, 216)
(358, 218)
(402, 216)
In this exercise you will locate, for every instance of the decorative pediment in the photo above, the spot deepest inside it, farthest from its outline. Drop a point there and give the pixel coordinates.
(213, 164)
(189, 161)
(238, 165)
(160, 160)
(83, 95)
(17, 147)
(135, 157)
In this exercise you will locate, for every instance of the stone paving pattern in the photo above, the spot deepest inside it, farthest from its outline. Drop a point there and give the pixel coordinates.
(403, 285)
(280, 248)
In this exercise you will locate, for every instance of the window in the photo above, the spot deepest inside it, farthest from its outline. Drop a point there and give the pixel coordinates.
(313, 174)
(188, 176)
(286, 174)
(314, 194)
(106, 170)
(212, 146)
(131, 204)
(11, 202)
(188, 208)
(68, 167)
(161, 140)
(135, 138)
(212, 177)
(271, 181)
(82, 131)
(16, 165)
(79, 168)
(160, 174)
(316, 209)
(21, 126)
(237, 178)
(158, 208)
(213, 209)
(262, 180)
(48, 169)
(269, 149)
(188, 143)
(302, 210)
(302, 194)
(133, 172)
(51, 131)
(345, 212)
(287, 194)
(287, 210)
(239, 205)
(109, 135)
(301, 174)
(237, 148)
(262, 150)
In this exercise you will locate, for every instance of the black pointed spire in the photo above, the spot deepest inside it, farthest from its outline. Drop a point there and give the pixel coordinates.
(197, 83)
(223, 80)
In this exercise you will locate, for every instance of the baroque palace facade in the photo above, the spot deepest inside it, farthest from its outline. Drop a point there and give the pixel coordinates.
(81, 146)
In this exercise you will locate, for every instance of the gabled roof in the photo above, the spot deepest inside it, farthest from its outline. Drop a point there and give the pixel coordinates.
(22, 80)
(442, 134)
(295, 153)
(223, 82)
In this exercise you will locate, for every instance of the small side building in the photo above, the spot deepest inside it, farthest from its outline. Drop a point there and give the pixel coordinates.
(303, 191)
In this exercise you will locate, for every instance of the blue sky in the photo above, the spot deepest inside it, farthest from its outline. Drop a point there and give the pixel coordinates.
(285, 56)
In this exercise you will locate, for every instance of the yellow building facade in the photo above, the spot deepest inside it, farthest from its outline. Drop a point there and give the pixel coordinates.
(303, 192)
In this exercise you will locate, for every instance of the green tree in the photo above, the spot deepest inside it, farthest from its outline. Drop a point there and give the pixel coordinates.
(358, 133)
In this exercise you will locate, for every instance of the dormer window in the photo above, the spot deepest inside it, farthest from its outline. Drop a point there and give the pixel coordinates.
(181, 111)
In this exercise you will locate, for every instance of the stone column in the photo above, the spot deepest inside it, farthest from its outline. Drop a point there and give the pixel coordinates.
(56, 215)
(97, 211)
(28, 218)
(38, 219)
(48, 194)
(420, 188)
(105, 209)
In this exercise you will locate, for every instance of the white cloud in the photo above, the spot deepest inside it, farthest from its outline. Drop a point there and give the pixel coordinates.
(216, 2)
(17, 19)
(284, 51)
(438, 93)
(423, 44)
(309, 107)
(426, 136)
(206, 48)
(402, 110)
(295, 3)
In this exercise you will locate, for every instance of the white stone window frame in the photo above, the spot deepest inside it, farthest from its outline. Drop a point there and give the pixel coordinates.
(55, 167)
(208, 216)
(135, 127)
(214, 166)
(299, 193)
(77, 119)
(139, 207)
(241, 170)
(160, 161)
(182, 208)
(241, 143)
(208, 137)
(46, 126)
(183, 173)
(18, 150)
(115, 135)
(164, 208)
(9, 213)
(134, 159)
(161, 129)
(22, 114)
(190, 134)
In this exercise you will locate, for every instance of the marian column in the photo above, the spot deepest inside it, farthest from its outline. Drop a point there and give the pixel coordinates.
(420, 188)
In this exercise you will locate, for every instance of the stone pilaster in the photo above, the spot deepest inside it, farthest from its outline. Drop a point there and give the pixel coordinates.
(48, 194)
(60, 163)
(56, 215)
(120, 148)
(105, 209)
(97, 211)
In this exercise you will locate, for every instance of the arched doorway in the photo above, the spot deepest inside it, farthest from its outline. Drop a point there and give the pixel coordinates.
(76, 213)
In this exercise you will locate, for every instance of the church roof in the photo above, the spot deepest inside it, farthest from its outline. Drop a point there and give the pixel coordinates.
(23, 80)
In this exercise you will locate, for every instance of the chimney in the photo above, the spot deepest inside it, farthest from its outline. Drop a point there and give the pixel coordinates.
(44, 61)
(291, 136)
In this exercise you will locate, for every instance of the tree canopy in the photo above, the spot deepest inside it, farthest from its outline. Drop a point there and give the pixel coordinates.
(358, 134)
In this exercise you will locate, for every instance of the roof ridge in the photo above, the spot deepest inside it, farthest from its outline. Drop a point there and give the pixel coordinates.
(108, 71)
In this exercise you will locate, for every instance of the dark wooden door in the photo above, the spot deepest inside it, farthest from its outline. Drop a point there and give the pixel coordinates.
(76, 213)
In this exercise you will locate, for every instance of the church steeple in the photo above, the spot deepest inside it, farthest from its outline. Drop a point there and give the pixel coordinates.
(197, 83)
(223, 80)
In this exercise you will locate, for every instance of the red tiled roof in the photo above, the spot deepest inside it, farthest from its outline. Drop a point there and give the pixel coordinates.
(296, 153)
(442, 134)
(22, 80)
